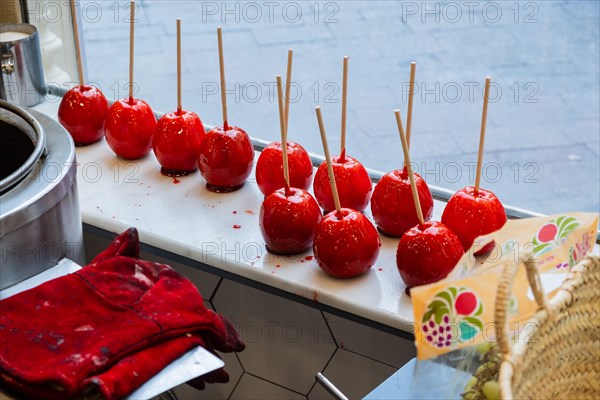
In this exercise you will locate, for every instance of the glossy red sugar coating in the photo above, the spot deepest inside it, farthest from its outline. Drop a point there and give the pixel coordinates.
(353, 184)
(346, 244)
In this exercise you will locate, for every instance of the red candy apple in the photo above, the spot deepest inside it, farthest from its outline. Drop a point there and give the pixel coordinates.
(470, 214)
(427, 253)
(130, 125)
(392, 203)
(177, 142)
(353, 184)
(82, 112)
(269, 168)
(288, 222)
(225, 160)
(346, 244)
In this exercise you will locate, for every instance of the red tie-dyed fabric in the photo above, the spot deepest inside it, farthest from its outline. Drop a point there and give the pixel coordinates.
(106, 329)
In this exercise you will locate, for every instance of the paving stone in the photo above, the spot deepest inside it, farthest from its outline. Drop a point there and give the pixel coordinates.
(551, 57)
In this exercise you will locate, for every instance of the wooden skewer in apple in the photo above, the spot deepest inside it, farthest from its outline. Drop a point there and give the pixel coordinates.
(428, 251)
(83, 109)
(411, 96)
(130, 124)
(226, 153)
(346, 243)
(288, 216)
(179, 133)
(353, 182)
(391, 203)
(269, 166)
(473, 211)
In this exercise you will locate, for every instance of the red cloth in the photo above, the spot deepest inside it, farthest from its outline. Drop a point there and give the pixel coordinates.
(107, 328)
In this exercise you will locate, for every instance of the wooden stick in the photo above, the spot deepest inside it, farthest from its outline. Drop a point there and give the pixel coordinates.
(222, 72)
(77, 43)
(286, 170)
(178, 65)
(411, 176)
(288, 82)
(131, 46)
(486, 97)
(344, 96)
(411, 95)
(336, 197)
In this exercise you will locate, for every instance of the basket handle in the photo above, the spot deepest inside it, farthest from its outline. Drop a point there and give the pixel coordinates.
(504, 292)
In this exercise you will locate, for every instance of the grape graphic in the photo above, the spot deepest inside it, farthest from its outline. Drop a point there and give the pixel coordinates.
(452, 317)
(439, 335)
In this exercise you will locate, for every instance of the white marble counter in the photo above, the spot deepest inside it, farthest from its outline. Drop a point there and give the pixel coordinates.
(222, 230)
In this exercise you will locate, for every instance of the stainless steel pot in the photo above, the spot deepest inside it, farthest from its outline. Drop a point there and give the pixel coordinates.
(21, 71)
(40, 222)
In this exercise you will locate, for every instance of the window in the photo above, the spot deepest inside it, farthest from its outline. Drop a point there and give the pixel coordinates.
(542, 144)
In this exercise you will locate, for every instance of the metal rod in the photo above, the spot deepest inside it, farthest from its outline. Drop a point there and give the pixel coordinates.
(330, 387)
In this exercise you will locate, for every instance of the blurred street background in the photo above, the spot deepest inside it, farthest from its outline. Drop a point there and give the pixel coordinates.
(542, 145)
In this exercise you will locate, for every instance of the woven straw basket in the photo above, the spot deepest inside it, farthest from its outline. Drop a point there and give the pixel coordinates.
(560, 358)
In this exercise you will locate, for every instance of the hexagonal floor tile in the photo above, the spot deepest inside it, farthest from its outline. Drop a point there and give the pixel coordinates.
(252, 388)
(355, 375)
(370, 342)
(286, 342)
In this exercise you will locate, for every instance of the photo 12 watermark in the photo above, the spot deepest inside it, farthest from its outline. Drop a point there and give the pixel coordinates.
(453, 12)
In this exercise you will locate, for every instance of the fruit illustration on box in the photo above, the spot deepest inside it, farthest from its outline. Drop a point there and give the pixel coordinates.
(453, 316)
(553, 234)
(581, 248)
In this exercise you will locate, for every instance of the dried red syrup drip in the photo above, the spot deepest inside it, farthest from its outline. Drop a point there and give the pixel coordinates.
(237, 226)
(308, 258)
(176, 181)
